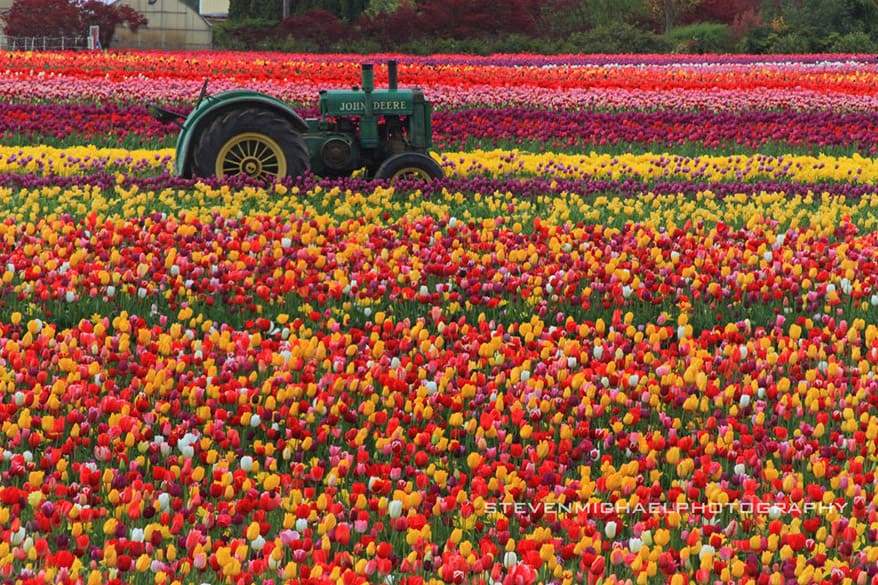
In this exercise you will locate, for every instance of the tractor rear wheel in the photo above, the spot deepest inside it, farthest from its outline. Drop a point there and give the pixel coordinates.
(409, 165)
(253, 142)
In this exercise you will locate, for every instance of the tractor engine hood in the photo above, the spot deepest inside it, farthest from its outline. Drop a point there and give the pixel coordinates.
(386, 102)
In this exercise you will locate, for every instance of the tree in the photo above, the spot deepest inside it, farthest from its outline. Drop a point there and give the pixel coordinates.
(723, 11)
(43, 18)
(268, 10)
(833, 16)
(318, 27)
(560, 18)
(392, 29)
(58, 18)
(468, 19)
(378, 7)
(741, 15)
(669, 12)
(803, 26)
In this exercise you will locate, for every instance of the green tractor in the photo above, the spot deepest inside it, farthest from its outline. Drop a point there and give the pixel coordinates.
(387, 132)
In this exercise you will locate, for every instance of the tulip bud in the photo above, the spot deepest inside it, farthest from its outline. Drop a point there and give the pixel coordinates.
(510, 559)
(610, 529)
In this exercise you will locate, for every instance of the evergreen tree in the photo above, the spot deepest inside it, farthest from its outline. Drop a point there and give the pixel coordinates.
(347, 10)
(270, 10)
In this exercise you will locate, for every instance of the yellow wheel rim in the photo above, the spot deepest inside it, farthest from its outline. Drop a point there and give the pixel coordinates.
(252, 154)
(410, 173)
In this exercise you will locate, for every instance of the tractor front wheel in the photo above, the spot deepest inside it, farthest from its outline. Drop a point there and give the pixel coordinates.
(252, 142)
(409, 165)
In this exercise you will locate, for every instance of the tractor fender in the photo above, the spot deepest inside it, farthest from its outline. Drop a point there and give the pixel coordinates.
(219, 104)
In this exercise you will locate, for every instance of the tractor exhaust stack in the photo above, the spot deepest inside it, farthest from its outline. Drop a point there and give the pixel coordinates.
(368, 88)
(368, 78)
(391, 75)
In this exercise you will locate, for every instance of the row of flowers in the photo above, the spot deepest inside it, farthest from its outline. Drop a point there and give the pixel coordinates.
(453, 265)
(455, 130)
(131, 76)
(305, 93)
(48, 161)
(344, 437)
(670, 204)
(65, 89)
(847, 75)
(148, 62)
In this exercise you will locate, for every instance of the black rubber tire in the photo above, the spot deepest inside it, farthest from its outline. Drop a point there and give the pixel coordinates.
(261, 126)
(410, 165)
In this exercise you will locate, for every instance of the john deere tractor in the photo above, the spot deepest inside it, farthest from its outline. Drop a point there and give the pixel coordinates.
(241, 132)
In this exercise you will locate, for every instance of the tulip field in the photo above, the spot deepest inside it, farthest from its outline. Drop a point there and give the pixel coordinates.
(631, 337)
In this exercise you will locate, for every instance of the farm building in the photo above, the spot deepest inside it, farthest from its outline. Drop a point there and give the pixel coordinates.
(173, 24)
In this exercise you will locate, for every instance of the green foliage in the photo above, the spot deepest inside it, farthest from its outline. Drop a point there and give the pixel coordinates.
(363, 46)
(347, 10)
(515, 43)
(557, 26)
(238, 10)
(376, 7)
(802, 26)
(525, 44)
(668, 13)
(855, 42)
(703, 37)
(244, 10)
(792, 43)
(758, 40)
(788, 41)
(557, 18)
(831, 16)
(430, 46)
(619, 38)
(292, 44)
(246, 35)
(608, 12)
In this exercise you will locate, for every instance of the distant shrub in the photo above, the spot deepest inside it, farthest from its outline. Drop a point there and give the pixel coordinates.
(525, 44)
(792, 43)
(703, 37)
(429, 46)
(361, 46)
(766, 39)
(475, 46)
(619, 38)
(246, 35)
(855, 42)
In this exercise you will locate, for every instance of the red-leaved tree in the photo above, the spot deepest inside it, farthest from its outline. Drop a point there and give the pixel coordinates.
(43, 18)
(320, 27)
(60, 18)
(391, 29)
(468, 19)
